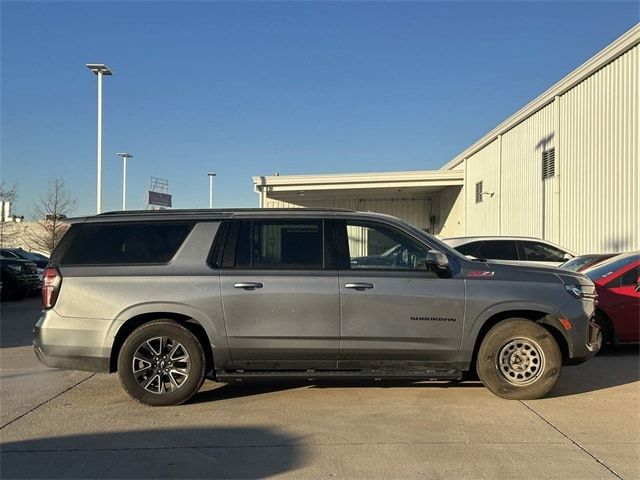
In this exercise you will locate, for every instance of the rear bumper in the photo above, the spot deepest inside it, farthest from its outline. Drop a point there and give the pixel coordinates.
(58, 343)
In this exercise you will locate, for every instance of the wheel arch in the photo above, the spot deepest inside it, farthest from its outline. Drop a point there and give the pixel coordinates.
(194, 325)
(541, 317)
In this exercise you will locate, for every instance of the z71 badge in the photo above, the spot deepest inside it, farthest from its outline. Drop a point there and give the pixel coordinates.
(481, 273)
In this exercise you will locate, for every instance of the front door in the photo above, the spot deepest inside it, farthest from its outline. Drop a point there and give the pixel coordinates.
(396, 314)
(280, 296)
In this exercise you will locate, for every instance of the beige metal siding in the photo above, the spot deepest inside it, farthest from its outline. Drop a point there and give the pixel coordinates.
(521, 186)
(413, 210)
(483, 218)
(599, 176)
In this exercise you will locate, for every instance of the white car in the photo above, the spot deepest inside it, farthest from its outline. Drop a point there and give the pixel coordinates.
(520, 250)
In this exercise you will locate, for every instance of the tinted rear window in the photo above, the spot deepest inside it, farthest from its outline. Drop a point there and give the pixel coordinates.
(120, 243)
(497, 250)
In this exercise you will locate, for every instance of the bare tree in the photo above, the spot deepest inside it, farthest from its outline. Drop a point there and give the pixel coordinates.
(10, 231)
(50, 211)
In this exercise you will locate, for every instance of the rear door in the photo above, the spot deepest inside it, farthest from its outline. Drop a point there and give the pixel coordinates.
(395, 313)
(280, 294)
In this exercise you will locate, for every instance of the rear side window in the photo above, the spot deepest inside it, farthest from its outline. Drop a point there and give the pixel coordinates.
(121, 243)
(497, 250)
(289, 244)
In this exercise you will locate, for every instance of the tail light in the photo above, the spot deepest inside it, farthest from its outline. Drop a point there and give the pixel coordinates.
(52, 280)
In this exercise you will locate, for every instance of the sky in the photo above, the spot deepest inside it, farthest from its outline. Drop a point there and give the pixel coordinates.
(248, 89)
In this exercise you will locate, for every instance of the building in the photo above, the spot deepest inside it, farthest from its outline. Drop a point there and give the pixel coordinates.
(565, 167)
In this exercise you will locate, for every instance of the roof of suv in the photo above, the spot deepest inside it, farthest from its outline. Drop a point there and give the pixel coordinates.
(207, 214)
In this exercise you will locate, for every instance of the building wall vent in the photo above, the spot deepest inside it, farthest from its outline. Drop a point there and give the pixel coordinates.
(478, 192)
(548, 163)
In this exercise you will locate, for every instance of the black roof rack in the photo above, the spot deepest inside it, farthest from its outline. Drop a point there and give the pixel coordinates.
(196, 213)
(216, 211)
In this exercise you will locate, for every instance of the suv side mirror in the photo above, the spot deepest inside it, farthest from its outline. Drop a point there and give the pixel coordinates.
(567, 256)
(437, 259)
(637, 289)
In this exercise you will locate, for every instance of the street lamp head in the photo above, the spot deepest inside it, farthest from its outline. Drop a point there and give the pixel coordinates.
(124, 155)
(211, 174)
(99, 68)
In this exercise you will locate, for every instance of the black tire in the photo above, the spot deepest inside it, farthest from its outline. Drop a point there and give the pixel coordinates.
(164, 389)
(608, 334)
(519, 360)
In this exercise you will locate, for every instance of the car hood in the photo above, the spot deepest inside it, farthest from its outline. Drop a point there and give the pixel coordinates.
(566, 276)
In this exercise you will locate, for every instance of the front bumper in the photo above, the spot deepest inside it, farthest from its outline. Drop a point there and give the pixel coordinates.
(583, 335)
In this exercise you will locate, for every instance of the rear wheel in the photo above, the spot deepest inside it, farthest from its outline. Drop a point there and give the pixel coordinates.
(161, 363)
(519, 360)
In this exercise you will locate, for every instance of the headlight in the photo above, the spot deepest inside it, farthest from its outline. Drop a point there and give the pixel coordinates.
(15, 268)
(575, 290)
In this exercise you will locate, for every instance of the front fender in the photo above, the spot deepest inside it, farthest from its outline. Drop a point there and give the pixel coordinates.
(475, 321)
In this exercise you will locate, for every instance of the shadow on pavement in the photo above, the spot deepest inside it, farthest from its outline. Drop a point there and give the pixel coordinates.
(617, 367)
(17, 319)
(260, 387)
(224, 452)
(612, 368)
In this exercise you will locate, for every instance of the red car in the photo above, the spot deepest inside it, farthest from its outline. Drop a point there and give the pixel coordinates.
(618, 286)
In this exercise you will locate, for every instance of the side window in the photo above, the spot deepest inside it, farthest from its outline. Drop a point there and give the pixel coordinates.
(469, 248)
(630, 277)
(541, 252)
(377, 247)
(124, 243)
(497, 250)
(280, 244)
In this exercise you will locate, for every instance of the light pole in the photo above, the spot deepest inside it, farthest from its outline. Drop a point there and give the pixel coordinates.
(124, 157)
(211, 175)
(99, 69)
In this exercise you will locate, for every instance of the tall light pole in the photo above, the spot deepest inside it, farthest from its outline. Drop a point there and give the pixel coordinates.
(99, 69)
(211, 175)
(124, 157)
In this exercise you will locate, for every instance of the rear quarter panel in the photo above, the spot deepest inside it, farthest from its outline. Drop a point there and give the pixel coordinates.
(115, 294)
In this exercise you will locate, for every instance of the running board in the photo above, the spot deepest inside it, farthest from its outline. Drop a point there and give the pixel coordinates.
(311, 375)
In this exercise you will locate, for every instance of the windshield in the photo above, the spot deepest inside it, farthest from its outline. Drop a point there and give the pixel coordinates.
(610, 267)
(32, 256)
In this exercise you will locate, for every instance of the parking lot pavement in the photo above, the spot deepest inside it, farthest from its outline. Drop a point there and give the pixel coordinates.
(71, 424)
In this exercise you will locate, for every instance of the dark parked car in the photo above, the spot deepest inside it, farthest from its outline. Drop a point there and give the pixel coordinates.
(582, 262)
(40, 260)
(165, 297)
(618, 286)
(19, 277)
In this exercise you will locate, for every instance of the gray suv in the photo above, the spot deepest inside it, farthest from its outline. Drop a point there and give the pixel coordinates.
(167, 298)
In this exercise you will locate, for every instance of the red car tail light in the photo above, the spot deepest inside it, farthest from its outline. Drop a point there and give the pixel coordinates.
(52, 279)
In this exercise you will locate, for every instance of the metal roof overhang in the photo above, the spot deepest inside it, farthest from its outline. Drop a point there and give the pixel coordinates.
(358, 185)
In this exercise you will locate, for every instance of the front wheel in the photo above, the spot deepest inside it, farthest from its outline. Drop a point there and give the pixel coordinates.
(519, 360)
(161, 363)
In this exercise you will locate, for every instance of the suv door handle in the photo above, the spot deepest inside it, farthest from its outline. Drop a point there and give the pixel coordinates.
(358, 286)
(248, 285)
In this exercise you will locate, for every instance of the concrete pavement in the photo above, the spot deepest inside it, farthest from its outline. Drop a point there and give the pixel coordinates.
(75, 425)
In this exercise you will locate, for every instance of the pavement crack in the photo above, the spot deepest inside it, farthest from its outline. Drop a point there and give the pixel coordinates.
(611, 470)
(46, 401)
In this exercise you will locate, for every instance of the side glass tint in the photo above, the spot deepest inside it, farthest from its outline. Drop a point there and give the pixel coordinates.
(378, 247)
(541, 252)
(286, 244)
(497, 250)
